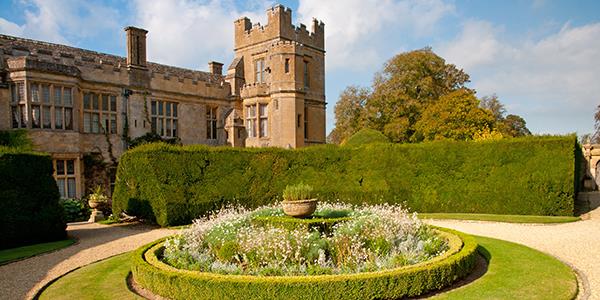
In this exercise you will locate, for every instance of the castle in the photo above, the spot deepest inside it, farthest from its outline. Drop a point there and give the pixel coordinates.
(80, 105)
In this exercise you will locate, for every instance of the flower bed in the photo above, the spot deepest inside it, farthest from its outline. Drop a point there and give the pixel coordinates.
(379, 252)
(371, 239)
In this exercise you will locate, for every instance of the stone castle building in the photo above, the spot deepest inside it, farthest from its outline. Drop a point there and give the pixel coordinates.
(83, 107)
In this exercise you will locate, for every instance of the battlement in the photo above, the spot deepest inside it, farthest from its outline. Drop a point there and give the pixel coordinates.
(255, 89)
(48, 56)
(279, 26)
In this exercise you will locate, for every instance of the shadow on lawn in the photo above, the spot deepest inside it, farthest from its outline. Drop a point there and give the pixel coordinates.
(481, 267)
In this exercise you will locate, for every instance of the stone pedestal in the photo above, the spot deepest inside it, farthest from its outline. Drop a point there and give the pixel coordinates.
(96, 216)
(589, 185)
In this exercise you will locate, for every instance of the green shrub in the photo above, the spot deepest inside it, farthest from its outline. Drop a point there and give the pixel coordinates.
(15, 139)
(522, 176)
(366, 136)
(29, 208)
(75, 210)
(152, 137)
(324, 225)
(298, 191)
(163, 280)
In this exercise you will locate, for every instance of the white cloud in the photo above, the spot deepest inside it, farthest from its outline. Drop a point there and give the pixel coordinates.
(10, 28)
(61, 21)
(476, 45)
(354, 29)
(552, 82)
(192, 33)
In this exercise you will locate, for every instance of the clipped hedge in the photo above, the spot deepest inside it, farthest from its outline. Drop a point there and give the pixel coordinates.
(366, 136)
(527, 176)
(161, 279)
(29, 208)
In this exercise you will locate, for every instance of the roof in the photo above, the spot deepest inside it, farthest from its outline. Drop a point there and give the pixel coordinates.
(12, 45)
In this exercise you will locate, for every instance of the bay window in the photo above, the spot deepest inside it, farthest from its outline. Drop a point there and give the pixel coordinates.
(42, 108)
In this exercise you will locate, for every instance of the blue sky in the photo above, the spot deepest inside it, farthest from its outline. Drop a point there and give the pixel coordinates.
(542, 58)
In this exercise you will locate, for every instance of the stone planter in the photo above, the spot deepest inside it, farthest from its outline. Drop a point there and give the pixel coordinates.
(96, 214)
(299, 208)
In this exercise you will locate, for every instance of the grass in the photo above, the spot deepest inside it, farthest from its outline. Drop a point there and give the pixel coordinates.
(103, 280)
(500, 218)
(517, 272)
(8, 255)
(514, 272)
(109, 221)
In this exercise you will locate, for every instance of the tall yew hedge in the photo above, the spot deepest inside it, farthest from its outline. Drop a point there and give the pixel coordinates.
(29, 208)
(173, 185)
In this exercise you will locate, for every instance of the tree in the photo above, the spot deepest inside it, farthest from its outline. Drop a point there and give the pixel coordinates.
(455, 116)
(349, 113)
(514, 126)
(494, 105)
(408, 83)
(509, 126)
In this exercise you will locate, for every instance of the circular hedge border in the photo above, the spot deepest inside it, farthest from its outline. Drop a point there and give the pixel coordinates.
(161, 279)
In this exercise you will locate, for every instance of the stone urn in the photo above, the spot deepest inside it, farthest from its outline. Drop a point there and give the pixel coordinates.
(93, 204)
(299, 208)
(95, 200)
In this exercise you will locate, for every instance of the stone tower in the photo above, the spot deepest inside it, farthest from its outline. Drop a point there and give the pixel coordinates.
(278, 76)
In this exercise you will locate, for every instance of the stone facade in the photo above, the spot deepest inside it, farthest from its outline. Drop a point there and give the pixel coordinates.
(591, 154)
(76, 102)
(279, 72)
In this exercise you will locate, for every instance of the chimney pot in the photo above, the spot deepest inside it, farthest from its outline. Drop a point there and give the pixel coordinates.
(136, 47)
(215, 68)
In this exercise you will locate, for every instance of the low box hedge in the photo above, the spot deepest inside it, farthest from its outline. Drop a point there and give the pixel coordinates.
(525, 176)
(161, 279)
(29, 208)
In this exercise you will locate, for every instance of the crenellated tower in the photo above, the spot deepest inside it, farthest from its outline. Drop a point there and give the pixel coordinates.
(278, 75)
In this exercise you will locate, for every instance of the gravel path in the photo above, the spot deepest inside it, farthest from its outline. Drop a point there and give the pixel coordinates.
(577, 244)
(23, 279)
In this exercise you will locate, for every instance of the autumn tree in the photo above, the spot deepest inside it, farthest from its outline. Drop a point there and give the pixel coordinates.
(411, 84)
(493, 104)
(349, 113)
(408, 83)
(514, 126)
(455, 116)
(510, 125)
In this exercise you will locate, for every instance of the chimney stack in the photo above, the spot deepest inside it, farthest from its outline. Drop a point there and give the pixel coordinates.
(215, 68)
(136, 47)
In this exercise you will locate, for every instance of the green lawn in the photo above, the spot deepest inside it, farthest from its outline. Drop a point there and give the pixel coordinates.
(499, 218)
(514, 272)
(103, 280)
(8, 255)
(517, 272)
